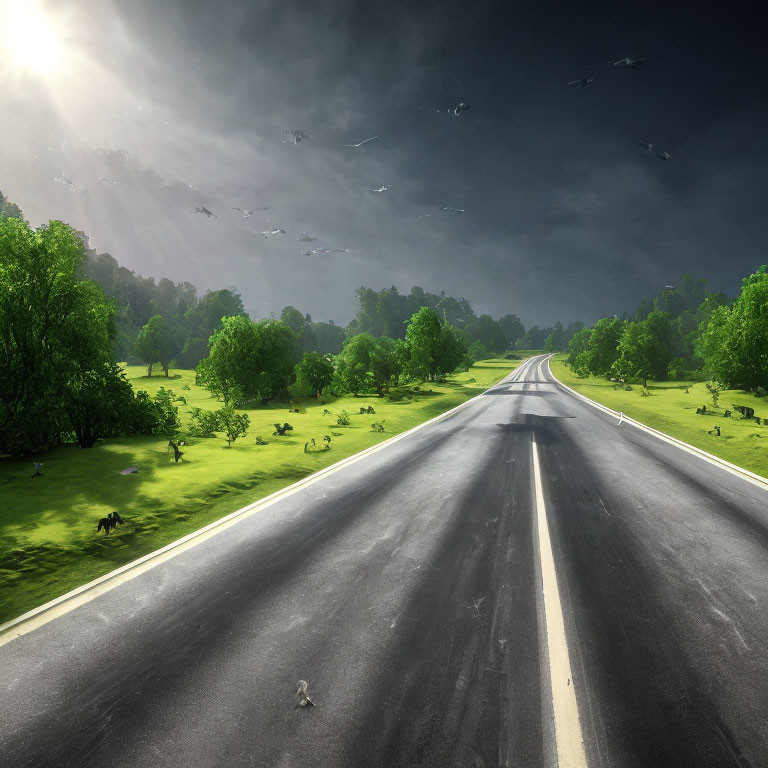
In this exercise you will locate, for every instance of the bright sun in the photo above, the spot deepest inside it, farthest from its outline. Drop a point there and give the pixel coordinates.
(29, 40)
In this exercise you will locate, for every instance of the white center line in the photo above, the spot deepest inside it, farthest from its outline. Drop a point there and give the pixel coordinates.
(568, 735)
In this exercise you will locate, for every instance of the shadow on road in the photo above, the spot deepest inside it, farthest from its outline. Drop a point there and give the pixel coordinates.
(544, 428)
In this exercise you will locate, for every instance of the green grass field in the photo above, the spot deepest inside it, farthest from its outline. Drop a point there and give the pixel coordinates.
(668, 408)
(48, 539)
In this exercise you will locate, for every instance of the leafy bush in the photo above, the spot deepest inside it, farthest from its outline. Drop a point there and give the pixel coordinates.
(203, 423)
(167, 414)
(343, 419)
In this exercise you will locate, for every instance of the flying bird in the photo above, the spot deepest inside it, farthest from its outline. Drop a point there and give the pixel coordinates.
(270, 232)
(64, 180)
(460, 107)
(582, 83)
(246, 213)
(109, 181)
(648, 148)
(203, 209)
(296, 136)
(324, 251)
(382, 188)
(627, 63)
(423, 216)
(305, 238)
(453, 210)
(359, 143)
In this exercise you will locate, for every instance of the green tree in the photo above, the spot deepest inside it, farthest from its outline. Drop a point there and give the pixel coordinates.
(353, 365)
(513, 329)
(330, 338)
(475, 351)
(153, 344)
(203, 423)
(277, 352)
(99, 402)
(230, 370)
(9, 210)
(451, 348)
(535, 338)
(202, 319)
(314, 373)
(603, 345)
(578, 344)
(293, 319)
(53, 326)
(735, 343)
(557, 338)
(713, 346)
(572, 329)
(423, 338)
(232, 424)
(644, 348)
(489, 333)
(166, 413)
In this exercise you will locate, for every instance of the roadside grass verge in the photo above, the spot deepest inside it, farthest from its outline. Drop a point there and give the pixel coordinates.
(48, 539)
(669, 409)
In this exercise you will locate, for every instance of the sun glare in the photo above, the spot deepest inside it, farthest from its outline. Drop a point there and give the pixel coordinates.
(29, 39)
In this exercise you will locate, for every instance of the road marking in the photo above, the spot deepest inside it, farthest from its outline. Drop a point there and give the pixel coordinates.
(568, 736)
(59, 606)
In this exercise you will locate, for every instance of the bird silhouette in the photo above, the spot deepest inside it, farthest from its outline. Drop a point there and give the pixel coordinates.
(582, 83)
(626, 63)
(359, 143)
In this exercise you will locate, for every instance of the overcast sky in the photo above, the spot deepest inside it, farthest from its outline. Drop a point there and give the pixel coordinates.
(566, 217)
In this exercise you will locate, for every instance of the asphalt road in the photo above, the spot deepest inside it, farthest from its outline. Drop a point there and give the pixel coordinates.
(406, 589)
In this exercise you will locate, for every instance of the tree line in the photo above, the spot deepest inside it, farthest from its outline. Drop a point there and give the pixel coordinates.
(686, 332)
(67, 315)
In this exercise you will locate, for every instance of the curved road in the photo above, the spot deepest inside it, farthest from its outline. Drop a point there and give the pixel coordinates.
(406, 588)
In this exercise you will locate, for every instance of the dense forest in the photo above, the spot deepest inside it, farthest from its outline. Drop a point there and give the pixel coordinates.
(687, 333)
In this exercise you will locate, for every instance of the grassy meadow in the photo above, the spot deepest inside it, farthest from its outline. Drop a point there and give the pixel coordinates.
(671, 407)
(48, 539)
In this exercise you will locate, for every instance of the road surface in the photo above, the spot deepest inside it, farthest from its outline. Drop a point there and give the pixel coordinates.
(410, 590)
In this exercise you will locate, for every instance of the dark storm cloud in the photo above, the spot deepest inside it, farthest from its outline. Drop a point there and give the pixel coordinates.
(566, 217)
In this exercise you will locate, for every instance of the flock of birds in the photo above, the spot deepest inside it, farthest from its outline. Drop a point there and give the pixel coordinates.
(625, 63)
(297, 136)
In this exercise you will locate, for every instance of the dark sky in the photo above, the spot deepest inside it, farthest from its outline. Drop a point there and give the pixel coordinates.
(566, 217)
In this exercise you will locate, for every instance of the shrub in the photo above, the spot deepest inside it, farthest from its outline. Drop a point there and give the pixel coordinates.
(343, 419)
(203, 423)
(233, 424)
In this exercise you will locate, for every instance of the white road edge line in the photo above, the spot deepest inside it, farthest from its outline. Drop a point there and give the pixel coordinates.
(734, 469)
(568, 735)
(59, 606)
